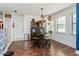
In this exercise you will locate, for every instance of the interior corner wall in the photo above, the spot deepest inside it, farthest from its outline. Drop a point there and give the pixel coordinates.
(22, 25)
(66, 38)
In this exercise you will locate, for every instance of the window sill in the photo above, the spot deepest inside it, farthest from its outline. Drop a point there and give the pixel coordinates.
(73, 34)
(61, 32)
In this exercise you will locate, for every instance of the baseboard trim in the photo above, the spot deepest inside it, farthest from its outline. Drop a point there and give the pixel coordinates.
(64, 43)
(18, 39)
(77, 52)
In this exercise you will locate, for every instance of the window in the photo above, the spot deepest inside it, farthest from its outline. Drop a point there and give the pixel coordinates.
(61, 24)
(73, 23)
(52, 25)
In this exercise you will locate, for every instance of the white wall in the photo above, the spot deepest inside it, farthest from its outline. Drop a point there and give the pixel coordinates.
(66, 38)
(18, 30)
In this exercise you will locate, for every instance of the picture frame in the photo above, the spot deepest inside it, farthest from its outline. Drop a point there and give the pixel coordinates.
(8, 16)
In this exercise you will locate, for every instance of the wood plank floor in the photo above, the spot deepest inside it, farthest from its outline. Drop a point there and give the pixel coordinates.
(22, 48)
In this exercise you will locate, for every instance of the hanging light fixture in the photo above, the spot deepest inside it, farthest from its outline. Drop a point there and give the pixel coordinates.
(42, 16)
(42, 19)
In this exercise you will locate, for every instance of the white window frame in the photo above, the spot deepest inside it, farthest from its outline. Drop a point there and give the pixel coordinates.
(72, 23)
(61, 24)
(52, 24)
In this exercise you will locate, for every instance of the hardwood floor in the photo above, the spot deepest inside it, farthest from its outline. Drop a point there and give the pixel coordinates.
(22, 48)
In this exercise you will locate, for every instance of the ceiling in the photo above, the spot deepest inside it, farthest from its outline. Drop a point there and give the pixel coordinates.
(33, 8)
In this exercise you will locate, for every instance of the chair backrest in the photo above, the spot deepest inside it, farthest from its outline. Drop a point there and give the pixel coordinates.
(37, 32)
(42, 30)
(33, 30)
